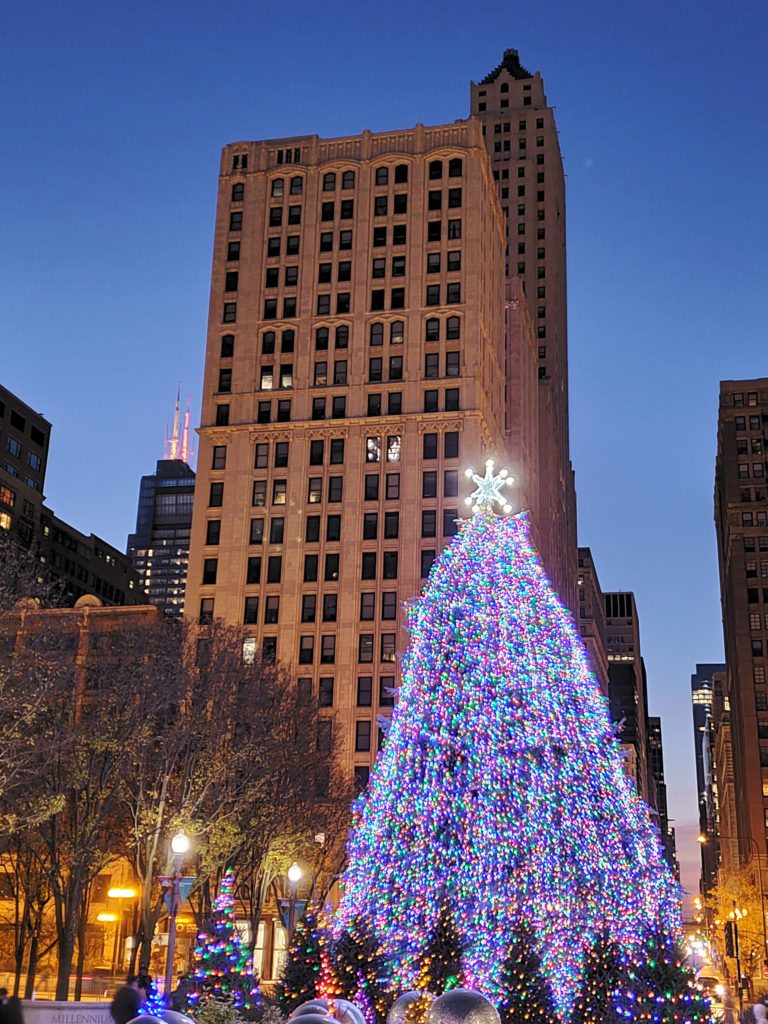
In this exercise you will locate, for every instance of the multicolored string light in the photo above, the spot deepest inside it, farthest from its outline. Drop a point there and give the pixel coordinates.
(501, 788)
(221, 966)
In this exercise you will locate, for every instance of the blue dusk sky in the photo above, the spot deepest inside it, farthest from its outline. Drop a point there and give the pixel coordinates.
(112, 119)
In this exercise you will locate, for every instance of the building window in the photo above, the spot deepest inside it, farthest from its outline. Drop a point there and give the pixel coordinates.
(427, 559)
(331, 573)
(386, 691)
(330, 607)
(276, 530)
(210, 567)
(315, 490)
(306, 650)
(325, 691)
(215, 495)
(429, 446)
(392, 492)
(429, 484)
(362, 736)
(368, 568)
(212, 532)
(389, 604)
(428, 523)
(205, 618)
(367, 607)
(387, 646)
(251, 611)
(219, 457)
(274, 568)
(269, 650)
(364, 691)
(327, 650)
(279, 492)
(432, 329)
(390, 565)
(253, 570)
(308, 607)
(227, 346)
(256, 531)
(365, 648)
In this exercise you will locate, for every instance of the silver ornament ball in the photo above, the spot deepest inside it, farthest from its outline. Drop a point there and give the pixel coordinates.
(462, 1006)
(311, 1006)
(174, 1017)
(312, 1017)
(400, 1007)
(346, 1013)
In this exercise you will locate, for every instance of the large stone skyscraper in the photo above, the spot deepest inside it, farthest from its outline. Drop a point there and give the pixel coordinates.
(741, 517)
(365, 345)
(521, 138)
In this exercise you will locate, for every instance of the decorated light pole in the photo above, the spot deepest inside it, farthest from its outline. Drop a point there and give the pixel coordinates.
(179, 846)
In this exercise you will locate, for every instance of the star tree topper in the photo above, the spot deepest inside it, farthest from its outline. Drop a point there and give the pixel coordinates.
(489, 488)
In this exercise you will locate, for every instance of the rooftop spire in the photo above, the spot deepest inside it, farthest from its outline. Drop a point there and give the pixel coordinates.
(172, 442)
(510, 63)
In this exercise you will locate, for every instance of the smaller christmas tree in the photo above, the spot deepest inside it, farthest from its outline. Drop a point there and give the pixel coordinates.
(361, 970)
(221, 966)
(603, 977)
(524, 994)
(301, 970)
(660, 987)
(440, 966)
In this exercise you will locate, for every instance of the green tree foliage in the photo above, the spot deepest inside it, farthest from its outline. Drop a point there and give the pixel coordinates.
(361, 970)
(660, 987)
(525, 996)
(604, 974)
(301, 969)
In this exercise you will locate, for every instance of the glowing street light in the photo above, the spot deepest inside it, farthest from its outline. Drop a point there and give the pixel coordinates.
(179, 846)
(295, 874)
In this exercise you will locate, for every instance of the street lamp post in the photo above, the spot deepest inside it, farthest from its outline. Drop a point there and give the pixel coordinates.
(179, 846)
(119, 894)
(294, 877)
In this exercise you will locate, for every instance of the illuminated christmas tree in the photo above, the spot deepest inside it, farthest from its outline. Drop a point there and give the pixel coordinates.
(660, 988)
(524, 994)
(221, 966)
(361, 971)
(603, 977)
(500, 790)
(301, 970)
(440, 967)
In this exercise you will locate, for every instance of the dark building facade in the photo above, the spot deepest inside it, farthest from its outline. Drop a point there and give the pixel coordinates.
(627, 687)
(24, 439)
(82, 563)
(159, 549)
(659, 801)
(741, 520)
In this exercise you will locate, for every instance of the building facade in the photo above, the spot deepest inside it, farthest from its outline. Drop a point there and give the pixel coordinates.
(703, 685)
(159, 549)
(356, 364)
(81, 563)
(741, 519)
(521, 138)
(627, 687)
(24, 440)
(659, 801)
(592, 621)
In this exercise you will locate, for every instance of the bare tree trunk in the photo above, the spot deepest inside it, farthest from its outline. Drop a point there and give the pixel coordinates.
(29, 988)
(81, 941)
(21, 946)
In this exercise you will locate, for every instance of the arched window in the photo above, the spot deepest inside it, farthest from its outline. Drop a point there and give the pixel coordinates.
(329, 182)
(453, 328)
(238, 192)
(401, 174)
(348, 179)
(454, 168)
(278, 186)
(287, 341)
(321, 338)
(297, 185)
(342, 336)
(382, 176)
(435, 169)
(432, 332)
(397, 332)
(227, 345)
(268, 343)
(504, 87)
(377, 334)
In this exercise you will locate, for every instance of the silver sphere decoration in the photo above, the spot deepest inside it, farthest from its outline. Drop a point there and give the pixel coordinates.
(462, 1006)
(314, 1017)
(312, 1006)
(400, 1007)
(346, 1013)
(174, 1017)
(144, 1018)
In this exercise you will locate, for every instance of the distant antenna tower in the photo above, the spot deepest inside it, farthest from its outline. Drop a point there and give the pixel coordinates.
(177, 444)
